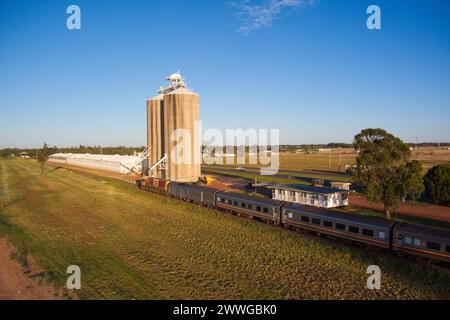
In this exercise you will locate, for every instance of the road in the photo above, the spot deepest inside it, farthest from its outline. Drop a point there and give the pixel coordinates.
(419, 210)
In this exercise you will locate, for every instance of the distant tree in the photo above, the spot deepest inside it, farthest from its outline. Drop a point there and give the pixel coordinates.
(437, 184)
(42, 156)
(413, 180)
(384, 171)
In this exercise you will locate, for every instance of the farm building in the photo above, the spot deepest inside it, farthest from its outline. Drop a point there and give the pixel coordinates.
(113, 163)
(310, 195)
(263, 188)
(340, 185)
(317, 182)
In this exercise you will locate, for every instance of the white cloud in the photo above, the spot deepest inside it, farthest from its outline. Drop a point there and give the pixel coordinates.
(262, 14)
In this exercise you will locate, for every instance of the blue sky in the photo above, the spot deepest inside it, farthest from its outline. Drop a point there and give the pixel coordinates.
(314, 71)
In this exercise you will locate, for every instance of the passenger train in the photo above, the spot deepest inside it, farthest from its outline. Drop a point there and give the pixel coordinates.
(403, 238)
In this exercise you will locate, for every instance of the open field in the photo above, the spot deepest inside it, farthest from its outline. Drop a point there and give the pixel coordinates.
(336, 159)
(133, 244)
(281, 177)
(326, 161)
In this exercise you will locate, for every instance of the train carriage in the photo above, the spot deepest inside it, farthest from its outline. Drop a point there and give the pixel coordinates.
(265, 209)
(193, 193)
(369, 230)
(424, 241)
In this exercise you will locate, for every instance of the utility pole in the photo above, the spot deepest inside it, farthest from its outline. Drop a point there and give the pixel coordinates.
(339, 167)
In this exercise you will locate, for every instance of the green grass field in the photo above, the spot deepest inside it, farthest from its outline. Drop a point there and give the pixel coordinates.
(132, 244)
(301, 178)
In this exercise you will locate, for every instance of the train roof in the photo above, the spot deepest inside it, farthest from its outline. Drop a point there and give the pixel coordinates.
(196, 186)
(306, 188)
(338, 215)
(424, 230)
(246, 197)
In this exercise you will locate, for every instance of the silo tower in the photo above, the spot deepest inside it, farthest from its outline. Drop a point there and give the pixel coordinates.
(172, 132)
(155, 130)
(181, 136)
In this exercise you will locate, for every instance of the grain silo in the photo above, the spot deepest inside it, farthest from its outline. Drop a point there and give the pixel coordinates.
(172, 132)
(155, 125)
(181, 136)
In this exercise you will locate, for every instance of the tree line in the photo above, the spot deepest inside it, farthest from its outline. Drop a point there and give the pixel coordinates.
(34, 152)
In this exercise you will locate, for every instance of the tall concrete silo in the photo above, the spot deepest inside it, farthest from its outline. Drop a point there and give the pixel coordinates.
(182, 143)
(155, 129)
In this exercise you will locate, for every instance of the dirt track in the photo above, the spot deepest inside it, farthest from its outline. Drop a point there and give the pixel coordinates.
(419, 210)
(16, 283)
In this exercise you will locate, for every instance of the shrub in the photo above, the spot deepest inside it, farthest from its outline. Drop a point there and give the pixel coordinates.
(437, 184)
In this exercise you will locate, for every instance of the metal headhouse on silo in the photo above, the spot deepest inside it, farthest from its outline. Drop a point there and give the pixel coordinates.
(172, 133)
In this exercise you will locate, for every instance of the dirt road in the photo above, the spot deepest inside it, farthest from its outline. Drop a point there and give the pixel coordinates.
(17, 283)
(420, 210)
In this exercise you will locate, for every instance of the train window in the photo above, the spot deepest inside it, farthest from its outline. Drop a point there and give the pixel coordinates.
(328, 224)
(367, 232)
(265, 210)
(408, 240)
(447, 249)
(340, 226)
(305, 219)
(381, 235)
(316, 221)
(258, 208)
(235, 203)
(433, 246)
(249, 206)
(353, 229)
(222, 200)
(417, 242)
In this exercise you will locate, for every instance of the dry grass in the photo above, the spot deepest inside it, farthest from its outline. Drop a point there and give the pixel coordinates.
(133, 244)
(337, 159)
(431, 156)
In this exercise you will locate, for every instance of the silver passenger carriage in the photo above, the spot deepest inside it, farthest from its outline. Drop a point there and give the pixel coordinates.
(425, 241)
(265, 209)
(370, 230)
(193, 193)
